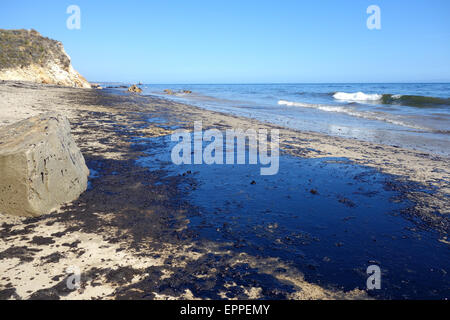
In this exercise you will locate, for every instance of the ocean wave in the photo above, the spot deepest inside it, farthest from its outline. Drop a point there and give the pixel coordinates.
(394, 99)
(358, 96)
(354, 113)
(414, 101)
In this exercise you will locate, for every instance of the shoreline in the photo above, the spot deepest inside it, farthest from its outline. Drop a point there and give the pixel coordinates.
(130, 230)
(315, 113)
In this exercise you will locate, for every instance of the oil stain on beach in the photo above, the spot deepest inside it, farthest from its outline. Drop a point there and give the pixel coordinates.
(329, 218)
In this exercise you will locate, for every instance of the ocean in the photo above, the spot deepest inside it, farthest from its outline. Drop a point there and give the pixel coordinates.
(410, 115)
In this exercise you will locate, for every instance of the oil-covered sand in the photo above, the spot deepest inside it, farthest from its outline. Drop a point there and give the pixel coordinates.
(147, 229)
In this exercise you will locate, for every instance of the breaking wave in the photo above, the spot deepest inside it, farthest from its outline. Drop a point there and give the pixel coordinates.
(398, 99)
(358, 96)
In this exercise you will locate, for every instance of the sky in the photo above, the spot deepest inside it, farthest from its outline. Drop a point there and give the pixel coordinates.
(246, 41)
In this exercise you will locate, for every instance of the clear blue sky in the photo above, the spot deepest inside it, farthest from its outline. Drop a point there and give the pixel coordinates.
(246, 41)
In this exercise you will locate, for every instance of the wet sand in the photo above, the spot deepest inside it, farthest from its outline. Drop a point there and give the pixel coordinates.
(164, 232)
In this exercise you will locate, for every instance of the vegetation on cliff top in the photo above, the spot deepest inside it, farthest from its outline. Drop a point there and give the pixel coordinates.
(20, 48)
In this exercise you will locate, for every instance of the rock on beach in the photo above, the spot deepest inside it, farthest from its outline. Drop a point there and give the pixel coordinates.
(41, 167)
(134, 88)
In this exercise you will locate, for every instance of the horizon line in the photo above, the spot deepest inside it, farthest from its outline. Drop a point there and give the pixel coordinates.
(268, 83)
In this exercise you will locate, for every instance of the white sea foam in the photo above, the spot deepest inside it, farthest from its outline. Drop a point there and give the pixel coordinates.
(313, 106)
(353, 112)
(358, 96)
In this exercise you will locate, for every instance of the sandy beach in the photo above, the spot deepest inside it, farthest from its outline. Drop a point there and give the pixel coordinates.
(138, 233)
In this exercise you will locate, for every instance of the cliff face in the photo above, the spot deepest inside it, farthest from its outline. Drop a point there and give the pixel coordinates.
(28, 56)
